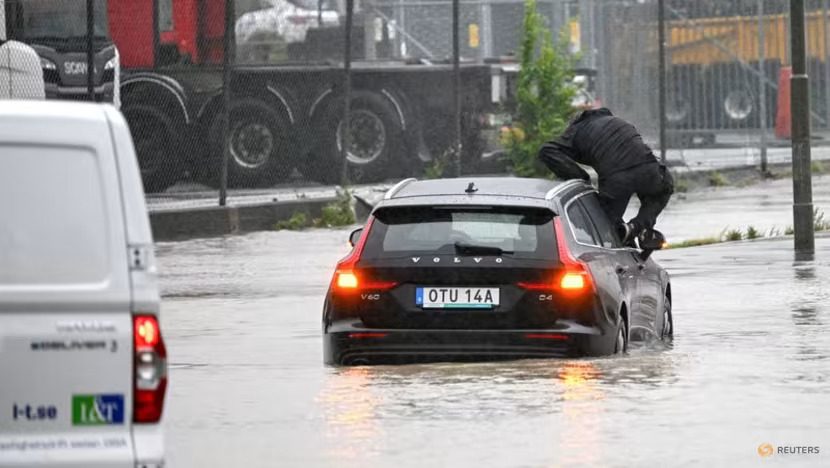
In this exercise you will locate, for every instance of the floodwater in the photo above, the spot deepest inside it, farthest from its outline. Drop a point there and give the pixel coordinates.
(749, 365)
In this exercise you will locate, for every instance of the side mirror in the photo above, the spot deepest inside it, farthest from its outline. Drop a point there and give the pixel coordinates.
(355, 236)
(651, 241)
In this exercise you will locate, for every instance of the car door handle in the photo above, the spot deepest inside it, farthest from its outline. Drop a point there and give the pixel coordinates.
(621, 270)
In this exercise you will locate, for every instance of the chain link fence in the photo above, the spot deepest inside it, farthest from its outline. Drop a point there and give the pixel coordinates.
(726, 68)
(280, 74)
(177, 68)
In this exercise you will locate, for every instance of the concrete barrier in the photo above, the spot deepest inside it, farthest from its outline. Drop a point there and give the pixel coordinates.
(190, 223)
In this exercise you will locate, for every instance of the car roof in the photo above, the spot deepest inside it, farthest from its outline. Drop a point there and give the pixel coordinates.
(52, 111)
(497, 191)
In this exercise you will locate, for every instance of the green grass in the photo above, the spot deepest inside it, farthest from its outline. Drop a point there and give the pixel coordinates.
(729, 235)
(817, 167)
(681, 186)
(716, 179)
(695, 242)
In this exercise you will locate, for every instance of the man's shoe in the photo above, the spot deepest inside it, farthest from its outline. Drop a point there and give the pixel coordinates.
(626, 232)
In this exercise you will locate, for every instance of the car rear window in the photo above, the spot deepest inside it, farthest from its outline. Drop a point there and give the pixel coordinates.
(54, 227)
(525, 232)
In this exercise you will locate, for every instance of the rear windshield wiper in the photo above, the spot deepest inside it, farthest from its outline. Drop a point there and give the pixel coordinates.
(468, 249)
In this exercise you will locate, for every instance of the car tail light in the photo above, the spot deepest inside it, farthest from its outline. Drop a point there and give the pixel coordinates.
(150, 379)
(347, 277)
(574, 278)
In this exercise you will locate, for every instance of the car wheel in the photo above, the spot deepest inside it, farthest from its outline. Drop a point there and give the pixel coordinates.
(257, 144)
(621, 341)
(154, 137)
(667, 326)
(374, 152)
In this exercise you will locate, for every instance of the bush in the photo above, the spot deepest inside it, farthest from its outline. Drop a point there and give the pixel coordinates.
(544, 95)
(338, 213)
(733, 235)
(752, 233)
(296, 222)
(716, 179)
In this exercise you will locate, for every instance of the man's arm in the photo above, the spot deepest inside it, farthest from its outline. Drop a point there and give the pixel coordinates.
(559, 158)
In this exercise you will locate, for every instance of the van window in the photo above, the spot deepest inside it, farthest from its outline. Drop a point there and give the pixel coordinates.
(54, 227)
(526, 232)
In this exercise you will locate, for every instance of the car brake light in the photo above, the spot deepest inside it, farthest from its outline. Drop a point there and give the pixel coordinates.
(347, 277)
(574, 279)
(150, 362)
(346, 280)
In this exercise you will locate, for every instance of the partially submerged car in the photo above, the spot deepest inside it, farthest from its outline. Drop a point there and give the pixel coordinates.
(490, 268)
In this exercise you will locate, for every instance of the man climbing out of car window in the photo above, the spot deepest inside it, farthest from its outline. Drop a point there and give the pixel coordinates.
(624, 164)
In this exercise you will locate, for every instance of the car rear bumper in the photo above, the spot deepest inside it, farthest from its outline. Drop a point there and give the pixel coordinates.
(350, 343)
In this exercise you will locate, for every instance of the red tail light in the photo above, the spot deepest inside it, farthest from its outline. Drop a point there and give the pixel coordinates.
(574, 279)
(150, 362)
(347, 278)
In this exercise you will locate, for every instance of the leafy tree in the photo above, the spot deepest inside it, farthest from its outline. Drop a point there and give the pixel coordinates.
(544, 95)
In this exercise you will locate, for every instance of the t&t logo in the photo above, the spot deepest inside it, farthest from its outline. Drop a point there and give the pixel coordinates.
(97, 410)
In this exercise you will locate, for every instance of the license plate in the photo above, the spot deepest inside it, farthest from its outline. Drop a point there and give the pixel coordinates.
(457, 298)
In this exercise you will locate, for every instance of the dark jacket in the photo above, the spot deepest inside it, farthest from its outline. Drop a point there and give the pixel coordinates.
(597, 139)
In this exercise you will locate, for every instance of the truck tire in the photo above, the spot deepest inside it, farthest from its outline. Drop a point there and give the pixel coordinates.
(156, 144)
(377, 141)
(258, 143)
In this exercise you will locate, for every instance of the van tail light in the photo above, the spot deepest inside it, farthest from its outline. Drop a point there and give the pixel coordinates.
(347, 277)
(150, 362)
(574, 278)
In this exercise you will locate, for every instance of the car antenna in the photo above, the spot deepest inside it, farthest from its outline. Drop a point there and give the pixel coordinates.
(471, 188)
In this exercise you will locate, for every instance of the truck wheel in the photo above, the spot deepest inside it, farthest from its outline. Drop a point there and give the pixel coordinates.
(376, 141)
(154, 136)
(258, 144)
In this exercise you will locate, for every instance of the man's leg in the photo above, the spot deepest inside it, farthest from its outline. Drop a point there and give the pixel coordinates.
(614, 194)
(655, 190)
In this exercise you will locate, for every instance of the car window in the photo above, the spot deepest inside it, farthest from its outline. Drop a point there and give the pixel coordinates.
(604, 227)
(527, 232)
(582, 228)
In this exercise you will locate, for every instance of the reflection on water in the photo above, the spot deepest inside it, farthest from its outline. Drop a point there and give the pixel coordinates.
(349, 406)
(580, 441)
(361, 405)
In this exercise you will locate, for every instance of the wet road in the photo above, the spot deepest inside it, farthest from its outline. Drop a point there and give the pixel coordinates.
(749, 365)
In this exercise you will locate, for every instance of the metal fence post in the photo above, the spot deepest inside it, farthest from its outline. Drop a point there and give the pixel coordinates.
(800, 112)
(762, 85)
(661, 70)
(227, 77)
(456, 89)
(346, 140)
(90, 49)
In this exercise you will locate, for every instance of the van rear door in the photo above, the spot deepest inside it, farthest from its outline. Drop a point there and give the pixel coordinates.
(65, 324)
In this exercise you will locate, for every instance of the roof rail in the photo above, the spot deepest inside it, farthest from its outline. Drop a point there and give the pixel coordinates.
(397, 188)
(561, 187)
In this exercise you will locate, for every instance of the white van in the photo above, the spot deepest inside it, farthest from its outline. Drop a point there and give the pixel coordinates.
(83, 369)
